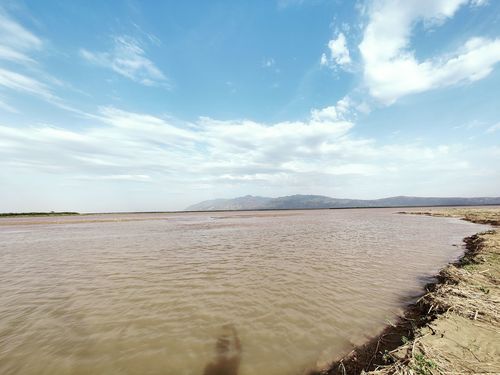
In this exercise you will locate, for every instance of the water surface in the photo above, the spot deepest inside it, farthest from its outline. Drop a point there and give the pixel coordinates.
(151, 293)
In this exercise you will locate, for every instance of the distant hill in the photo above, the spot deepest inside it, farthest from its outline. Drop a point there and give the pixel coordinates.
(250, 202)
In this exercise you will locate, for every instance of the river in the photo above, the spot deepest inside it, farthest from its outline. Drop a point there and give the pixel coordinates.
(153, 293)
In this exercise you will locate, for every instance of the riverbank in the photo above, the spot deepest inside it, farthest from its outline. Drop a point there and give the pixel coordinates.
(37, 214)
(455, 326)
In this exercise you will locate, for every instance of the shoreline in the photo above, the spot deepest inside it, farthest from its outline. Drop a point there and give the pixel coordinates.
(74, 213)
(454, 327)
(37, 214)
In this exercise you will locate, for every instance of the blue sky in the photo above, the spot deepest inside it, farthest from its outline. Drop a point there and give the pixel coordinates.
(145, 105)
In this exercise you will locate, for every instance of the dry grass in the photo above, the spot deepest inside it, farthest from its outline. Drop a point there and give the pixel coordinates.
(428, 360)
(468, 294)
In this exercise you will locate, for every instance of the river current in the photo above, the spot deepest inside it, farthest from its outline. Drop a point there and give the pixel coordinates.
(275, 291)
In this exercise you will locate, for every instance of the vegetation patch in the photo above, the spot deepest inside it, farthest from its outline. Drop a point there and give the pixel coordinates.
(51, 213)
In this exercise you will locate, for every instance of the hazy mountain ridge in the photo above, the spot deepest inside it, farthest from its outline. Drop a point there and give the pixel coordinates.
(247, 202)
(250, 202)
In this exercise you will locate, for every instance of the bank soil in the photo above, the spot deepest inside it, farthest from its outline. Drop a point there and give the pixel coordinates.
(454, 328)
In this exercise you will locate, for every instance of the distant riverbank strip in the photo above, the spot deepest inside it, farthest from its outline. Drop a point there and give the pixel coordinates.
(37, 214)
(455, 326)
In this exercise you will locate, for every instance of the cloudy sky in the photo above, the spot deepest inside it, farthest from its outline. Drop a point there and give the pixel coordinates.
(149, 105)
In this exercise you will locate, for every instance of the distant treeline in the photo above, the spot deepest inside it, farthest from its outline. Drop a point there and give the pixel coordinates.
(52, 213)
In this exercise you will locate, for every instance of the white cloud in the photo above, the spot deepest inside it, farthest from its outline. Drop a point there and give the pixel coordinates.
(323, 60)
(321, 154)
(8, 53)
(128, 59)
(28, 85)
(20, 82)
(493, 128)
(339, 53)
(391, 69)
(337, 112)
(140, 147)
(7, 107)
(16, 41)
(17, 44)
(118, 177)
(268, 63)
(363, 107)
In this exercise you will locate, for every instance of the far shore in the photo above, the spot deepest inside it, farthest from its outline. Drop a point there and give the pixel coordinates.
(454, 327)
(71, 213)
(37, 214)
(69, 217)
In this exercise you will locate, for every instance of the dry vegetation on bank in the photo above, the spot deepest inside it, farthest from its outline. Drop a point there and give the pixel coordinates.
(454, 328)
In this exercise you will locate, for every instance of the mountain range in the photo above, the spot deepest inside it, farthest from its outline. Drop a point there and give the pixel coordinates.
(250, 202)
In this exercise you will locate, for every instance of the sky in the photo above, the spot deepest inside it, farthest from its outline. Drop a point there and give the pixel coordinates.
(150, 106)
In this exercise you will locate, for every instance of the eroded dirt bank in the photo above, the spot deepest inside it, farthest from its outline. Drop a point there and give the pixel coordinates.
(454, 328)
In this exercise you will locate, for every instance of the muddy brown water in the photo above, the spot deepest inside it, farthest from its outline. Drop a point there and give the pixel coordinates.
(150, 293)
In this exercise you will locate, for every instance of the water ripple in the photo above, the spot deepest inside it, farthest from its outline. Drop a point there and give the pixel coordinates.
(148, 294)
